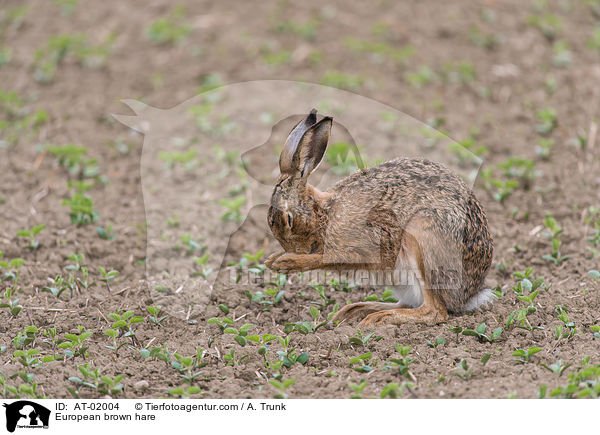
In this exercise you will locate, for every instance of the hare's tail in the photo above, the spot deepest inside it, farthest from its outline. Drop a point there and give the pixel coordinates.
(481, 301)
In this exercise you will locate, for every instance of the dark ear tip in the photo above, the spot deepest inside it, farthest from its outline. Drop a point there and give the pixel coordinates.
(313, 111)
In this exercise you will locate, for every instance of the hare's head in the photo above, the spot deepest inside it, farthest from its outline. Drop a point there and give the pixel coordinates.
(294, 214)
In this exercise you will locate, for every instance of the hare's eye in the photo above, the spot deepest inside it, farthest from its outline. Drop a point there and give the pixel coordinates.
(289, 220)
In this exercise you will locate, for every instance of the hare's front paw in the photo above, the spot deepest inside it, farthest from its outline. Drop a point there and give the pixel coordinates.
(352, 311)
(269, 261)
(288, 262)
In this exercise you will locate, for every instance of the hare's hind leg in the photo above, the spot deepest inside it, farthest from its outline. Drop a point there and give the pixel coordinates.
(432, 309)
(360, 310)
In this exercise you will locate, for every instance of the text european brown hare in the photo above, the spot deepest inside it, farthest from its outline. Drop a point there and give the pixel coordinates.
(406, 214)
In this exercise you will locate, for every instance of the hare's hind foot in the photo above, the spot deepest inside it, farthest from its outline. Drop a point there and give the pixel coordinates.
(360, 310)
(432, 312)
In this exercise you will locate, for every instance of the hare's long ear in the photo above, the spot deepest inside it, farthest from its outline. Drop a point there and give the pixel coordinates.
(312, 146)
(286, 159)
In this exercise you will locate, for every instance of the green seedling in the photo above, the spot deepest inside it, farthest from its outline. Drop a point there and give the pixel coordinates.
(73, 345)
(562, 54)
(282, 386)
(547, 120)
(239, 335)
(31, 358)
(567, 330)
(12, 304)
(343, 158)
(363, 340)
(421, 77)
(306, 30)
(544, 147)
(438, 341)
(404, 361)
(82, 209)
(58, 285)
(288, 357)
(30, 235)
(595, 273)
(187, 159)
(337, 79)
(393, 390)
(189, 366)
(325, 299)
(184, 392)
(107, 276)
(221, 323)
(504, 188)
(381, 50)
(556, 257)
(191, 245)
(205, 270)
(160, 353)
(232, 360)
(479, 332)
(485, 358)
(594, 41)
(358, 389)
(94, 380)
(583, 383)
(386, 296)
(519, 169)
(234, 208)
(361, 363)
(269, 298)
(81, 282)
(171, 29)
(122, 326)
(155, 316)
(548, 24)
(595, 330)
(263, 343)
(524, 355)
(106, 233)
(457, 330)
(464, 371)
(558, 367)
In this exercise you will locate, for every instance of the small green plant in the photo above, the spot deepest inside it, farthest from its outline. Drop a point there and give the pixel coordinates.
(337, 79)
(547, 120)
(106, 233)
(200, 262)
(239, 335)
(556, 257)
(282, 387)
(436, 343)
(170, 29)
(155, 316)
(393, 390)
(107, 276)
(221, 323)
(30, 235)
(524, 355)
(548, 24)
(267, 299)
(386, 296)
(94, 380)
(421, 77)
(58, 285)
(231, 359)
(479, 332)
(122, 326)
(567, 330)
(544, 147)
(464, 371)
(583, 383)
(404, 361)
(73, 345)
(189, 367)
(342, 158)
(358, 389)
(361, 363)
(82, 209)
(362, 340)
(234, 208)
(558, 367)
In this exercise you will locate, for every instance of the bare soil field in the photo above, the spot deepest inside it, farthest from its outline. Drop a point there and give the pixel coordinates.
(120, 243)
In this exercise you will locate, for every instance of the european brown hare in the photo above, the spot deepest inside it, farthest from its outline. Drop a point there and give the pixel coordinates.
(407, 215)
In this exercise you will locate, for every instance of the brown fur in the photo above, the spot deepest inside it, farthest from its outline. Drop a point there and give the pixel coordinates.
(403, 210)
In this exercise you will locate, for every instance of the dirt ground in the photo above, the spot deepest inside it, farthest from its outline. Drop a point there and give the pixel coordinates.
(481, 72)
